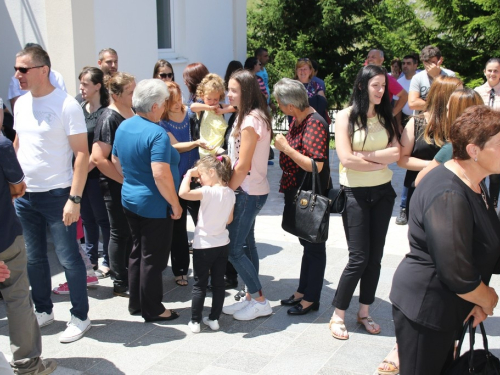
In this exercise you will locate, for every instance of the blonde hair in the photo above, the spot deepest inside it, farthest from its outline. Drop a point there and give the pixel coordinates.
(220, 164)
(175, 93)
(116, 83)
(211, 83)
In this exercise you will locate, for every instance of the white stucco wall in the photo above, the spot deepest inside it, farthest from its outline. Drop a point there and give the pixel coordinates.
(73, 32)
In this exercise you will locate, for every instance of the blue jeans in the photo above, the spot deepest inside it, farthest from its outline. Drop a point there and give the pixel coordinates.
(36, 211)
(242, 249)
(95, 215)
(404, 197)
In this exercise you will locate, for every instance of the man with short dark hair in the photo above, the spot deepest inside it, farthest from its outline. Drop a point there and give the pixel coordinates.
(108, 61)
(51, 129)
(421, 83)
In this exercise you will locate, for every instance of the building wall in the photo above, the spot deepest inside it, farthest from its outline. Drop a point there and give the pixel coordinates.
(73, 32)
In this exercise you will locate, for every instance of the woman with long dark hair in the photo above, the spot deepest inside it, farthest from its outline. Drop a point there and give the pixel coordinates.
(367, 142)
(248, 149)
(164, 71)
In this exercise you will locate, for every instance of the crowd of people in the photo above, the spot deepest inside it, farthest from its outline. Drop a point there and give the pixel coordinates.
(130, 159)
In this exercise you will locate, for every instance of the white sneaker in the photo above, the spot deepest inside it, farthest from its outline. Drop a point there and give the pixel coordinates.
(231, 309)
(213, 324)
(195, 327)
(44, 319)
(76, 329)
(253, 310)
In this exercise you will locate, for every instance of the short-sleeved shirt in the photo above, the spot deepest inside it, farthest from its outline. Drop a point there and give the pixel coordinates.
(91, 123)
(10, 173)
(265, 77)
(215, 208)
(421, 82)
(56, 80)
(445, 154)
(255, 183)
(43, 125)
(312, 88)
(454, 245)
(310, 138)
(320, 82)
(490, 99)
(405, 83)
(138, 143)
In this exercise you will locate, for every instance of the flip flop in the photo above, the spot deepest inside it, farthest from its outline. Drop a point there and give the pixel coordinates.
(370, 322)
(181, 280)
(393, 368)
(339, 325)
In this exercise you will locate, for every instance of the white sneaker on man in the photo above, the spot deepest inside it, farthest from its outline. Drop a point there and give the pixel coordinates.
(44, 319)
(194, 326)
(253, 310)
(231, 309)
(213, 324)
(76, 329)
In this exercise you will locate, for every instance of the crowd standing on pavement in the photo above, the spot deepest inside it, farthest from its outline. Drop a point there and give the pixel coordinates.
(102, 156)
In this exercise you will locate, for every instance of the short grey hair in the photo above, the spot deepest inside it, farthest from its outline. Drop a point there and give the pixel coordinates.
(147, 93)
(289, 91)
(381, 53)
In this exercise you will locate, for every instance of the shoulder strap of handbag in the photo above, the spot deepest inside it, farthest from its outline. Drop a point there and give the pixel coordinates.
(315, 179)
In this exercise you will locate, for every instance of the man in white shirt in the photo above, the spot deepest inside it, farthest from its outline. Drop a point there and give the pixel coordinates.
(51, 129)
(421, 83)
(410, 65)
(15, 91)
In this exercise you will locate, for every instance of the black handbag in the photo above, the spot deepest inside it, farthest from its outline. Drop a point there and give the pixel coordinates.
(474, 362)
(307, 216)
(337, 196)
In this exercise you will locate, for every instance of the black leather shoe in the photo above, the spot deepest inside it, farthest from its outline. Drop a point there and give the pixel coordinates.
(230, 283)
(290, 301)
(134, 311)
(121, 291)
(173, 315)
(299, 310)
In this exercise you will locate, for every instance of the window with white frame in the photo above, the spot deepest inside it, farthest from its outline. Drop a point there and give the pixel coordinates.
(165, 24)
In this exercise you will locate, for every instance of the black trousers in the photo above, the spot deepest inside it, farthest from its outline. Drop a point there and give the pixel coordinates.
(180, 248)
(422, 351)
(366, 220)
(209, 262)
(312, 269)
(120, 242)
(149, 257)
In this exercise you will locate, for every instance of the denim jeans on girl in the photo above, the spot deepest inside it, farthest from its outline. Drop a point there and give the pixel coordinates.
(242, 249)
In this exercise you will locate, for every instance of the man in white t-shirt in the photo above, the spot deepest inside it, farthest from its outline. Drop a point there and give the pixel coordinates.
(15, 91)
(410, 65)
(51, 129)
(421, 83)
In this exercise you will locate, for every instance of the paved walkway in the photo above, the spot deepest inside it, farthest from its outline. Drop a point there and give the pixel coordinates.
(122, 344)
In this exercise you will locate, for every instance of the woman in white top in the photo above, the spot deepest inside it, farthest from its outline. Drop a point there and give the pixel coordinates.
(249, 150)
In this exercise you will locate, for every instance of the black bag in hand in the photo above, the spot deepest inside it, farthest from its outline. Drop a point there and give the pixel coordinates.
(307, 216)
(474, 362)
(337, 196)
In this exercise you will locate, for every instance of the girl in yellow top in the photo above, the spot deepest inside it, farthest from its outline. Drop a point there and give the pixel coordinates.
(212, 123)
(367, 142)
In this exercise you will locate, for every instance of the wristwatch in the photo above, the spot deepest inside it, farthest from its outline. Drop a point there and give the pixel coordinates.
(75, 199)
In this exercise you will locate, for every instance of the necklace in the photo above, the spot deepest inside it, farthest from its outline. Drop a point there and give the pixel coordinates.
(483, 195)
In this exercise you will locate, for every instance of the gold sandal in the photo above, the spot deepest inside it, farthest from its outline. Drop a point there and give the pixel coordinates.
(393, 368)
(370, 322)
(339, 325)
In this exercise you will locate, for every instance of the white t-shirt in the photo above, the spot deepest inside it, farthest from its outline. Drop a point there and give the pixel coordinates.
(256, 182)
(43, 126)
(421, 82)
(215, 208)
(56, 79)
(403, 81)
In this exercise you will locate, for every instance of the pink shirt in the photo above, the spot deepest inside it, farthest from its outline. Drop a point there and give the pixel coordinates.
(394, 87)
(256, 181)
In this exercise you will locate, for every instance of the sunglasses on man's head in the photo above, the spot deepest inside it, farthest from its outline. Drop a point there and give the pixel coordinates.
(25, 70)
(165, 75)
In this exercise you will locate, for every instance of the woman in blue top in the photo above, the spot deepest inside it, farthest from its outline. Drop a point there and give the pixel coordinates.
(184, 136)
(142, 153)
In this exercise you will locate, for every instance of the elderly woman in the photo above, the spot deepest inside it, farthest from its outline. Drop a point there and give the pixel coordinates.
(306, 140)
(453, 233)
(142, 153)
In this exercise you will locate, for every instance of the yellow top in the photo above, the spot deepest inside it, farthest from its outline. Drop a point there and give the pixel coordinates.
(377, 139)
(212, 130)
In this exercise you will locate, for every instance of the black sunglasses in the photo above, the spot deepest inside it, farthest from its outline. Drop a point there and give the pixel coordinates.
(165, 75)
(25, 70)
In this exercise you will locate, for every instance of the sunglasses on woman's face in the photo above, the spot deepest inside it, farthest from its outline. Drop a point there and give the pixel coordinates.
(164, 75)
